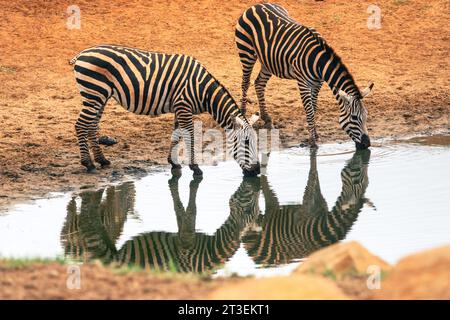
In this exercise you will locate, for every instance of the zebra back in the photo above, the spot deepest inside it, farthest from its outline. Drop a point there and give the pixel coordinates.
(188, 250)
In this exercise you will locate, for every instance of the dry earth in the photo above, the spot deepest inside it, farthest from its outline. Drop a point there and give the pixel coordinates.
(407, 59)
(424, 275)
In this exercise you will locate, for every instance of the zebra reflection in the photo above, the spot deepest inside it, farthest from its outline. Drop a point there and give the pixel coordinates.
(282, 234)
(188, 250)
(293, 231)
(90, 231)
(184, 251)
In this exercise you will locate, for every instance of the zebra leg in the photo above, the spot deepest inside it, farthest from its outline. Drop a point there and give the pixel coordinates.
(247, 67)
(93, 140)
(313, 200)
(187, 129)
(270, 198)
(82, 127)
(247, 55)
(314, 95)
(310, 108)
(260, 87)
(173, 152)
(177, 204)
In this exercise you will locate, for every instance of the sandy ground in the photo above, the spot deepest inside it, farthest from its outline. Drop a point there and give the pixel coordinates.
(51, 281)
(407, 59)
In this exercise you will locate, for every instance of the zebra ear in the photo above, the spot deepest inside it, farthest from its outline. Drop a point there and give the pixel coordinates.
(237, 122)
(344, 95)
(254, 118)
(367, 90)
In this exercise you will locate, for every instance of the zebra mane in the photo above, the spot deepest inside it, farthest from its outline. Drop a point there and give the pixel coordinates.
(332, 53)
(223, 88)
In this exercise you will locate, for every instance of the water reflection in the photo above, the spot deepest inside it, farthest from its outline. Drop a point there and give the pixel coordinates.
(278, 235)
(293, 231)
(91, 231)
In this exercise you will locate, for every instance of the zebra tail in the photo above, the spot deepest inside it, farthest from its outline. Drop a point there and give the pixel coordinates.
(74, 59)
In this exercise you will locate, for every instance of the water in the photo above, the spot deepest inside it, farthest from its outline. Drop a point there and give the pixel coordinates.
(394, 199)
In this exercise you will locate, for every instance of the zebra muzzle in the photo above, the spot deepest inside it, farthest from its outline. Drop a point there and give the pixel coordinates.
(364, 144)
(254, 170)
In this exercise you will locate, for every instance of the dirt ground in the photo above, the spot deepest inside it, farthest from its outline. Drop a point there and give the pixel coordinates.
(407, 59)
(50, 281)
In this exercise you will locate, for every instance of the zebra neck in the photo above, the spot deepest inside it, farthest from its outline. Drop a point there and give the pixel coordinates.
(219, 103)
(336, 75)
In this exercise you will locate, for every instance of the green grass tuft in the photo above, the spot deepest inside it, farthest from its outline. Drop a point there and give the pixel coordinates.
(328, 273)
(17, 263)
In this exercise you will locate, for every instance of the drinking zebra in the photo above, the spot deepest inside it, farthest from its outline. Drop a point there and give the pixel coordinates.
(294, 231)
(148, 83)
(90, 231)
(189, 250)
(289, 50)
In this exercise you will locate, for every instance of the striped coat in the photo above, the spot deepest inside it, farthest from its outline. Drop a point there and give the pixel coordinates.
(149, 83)
(91, 231)
(293, 231)
(289, 50)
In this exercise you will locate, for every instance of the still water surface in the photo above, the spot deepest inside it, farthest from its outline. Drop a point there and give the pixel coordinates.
(393, 199)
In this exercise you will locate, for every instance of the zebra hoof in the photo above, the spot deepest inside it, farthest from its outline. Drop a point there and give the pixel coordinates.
(268, 125)
(103, 162)
(174, 180)
(195, 182)
(90, 167)
(313, 145)
(196, 170)
(197, 173)
(176, 171)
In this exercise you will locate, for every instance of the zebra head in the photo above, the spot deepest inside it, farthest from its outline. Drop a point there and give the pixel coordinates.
(354, 117)
(243, 141)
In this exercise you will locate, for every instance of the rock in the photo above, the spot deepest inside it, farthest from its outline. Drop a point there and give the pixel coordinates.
(303, 145)
(294, 287)
(338, 260)
(107, 141)
(425, 275)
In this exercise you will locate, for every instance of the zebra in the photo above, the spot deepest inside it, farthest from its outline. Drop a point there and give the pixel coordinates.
(293, 231)
(90, 231)
(189, 251)
(289, 50)
(151, 83)
(88, 235)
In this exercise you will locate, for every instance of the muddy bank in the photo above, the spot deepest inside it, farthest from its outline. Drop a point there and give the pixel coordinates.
(337, 272)
(39, 102)
(49, 281)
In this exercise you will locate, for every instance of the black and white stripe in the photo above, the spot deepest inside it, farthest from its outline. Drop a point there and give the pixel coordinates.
(293, 231)
(188, 250)
(289, 50)
(90, 231)
(148, 83)
(92, 228)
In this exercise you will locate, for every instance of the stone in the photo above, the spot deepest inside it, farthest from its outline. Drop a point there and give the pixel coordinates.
(341, 259)
(424, 275)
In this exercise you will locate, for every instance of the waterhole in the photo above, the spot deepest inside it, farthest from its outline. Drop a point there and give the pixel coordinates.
(394, 199)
